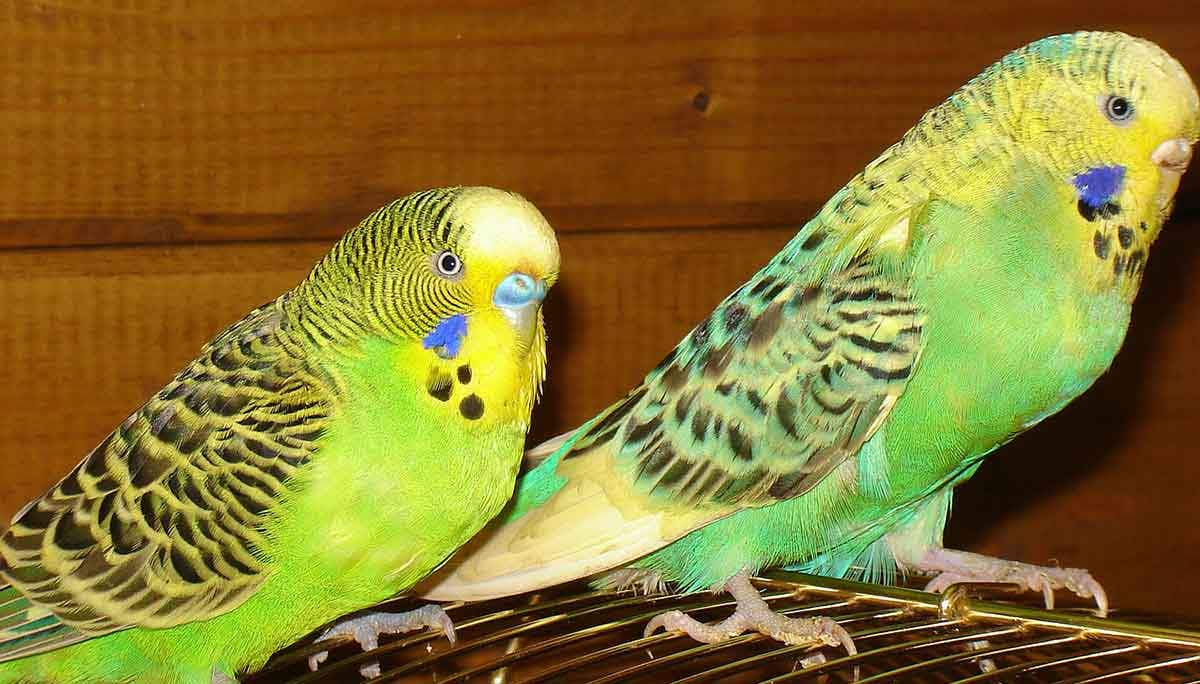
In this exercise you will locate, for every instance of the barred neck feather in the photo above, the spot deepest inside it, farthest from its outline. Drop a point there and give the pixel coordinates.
(339, 302)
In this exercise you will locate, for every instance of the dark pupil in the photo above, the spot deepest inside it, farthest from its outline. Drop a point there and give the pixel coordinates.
(1119, 107)
(449, 263)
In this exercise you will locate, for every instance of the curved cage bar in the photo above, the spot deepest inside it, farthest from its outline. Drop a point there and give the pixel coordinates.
(575, 634)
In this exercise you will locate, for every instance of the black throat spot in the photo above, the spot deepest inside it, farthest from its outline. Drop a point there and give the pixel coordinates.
(471, 407)
(439, 384)
(1105, 210)
(1101, 245)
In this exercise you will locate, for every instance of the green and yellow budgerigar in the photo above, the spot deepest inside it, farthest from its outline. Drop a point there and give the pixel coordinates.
(322, 454)
(969, 283)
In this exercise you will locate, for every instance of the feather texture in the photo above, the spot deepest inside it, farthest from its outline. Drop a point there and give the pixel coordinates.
(249, 501)
(972, 280)
(162, 523)
(792, 382)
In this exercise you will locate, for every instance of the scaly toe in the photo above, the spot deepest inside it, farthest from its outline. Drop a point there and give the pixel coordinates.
(1042, 582)
(834, 634)
(315, 660)
(678, 621)
(819, 630)
(443, 622)
(943, 580)
(948, 567)
(1097, 592)
(753, 613)
(660, 621)
(366, 629)
(1085, 586)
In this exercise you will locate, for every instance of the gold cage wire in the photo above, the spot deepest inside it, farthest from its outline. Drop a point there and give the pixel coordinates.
(574, 634)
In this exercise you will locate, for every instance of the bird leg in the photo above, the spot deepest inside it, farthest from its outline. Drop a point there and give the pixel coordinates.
(953, 567)
(366, 629)
(753, 614)
(219, 677)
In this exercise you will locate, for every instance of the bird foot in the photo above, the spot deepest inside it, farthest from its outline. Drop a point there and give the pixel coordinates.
(219, 677)
(753, 614)
(791, 631)
(367, 628)
(954, 567)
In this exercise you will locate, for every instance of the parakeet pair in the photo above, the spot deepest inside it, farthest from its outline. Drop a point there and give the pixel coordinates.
(967, 284)
(323, 454)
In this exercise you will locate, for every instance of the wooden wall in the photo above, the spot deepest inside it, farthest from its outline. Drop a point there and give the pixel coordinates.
(167, 165)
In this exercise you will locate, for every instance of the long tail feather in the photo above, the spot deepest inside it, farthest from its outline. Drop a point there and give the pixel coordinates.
(27, 628)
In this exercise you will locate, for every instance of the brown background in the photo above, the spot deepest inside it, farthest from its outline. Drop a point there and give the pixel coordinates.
(167, 165)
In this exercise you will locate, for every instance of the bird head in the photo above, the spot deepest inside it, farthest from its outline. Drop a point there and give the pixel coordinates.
(1114, 115)
(421, 267)
(453, 281)
(506, 258)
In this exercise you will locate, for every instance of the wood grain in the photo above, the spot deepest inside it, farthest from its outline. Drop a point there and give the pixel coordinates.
(165, 165)
(1110, 484)
(168, 120)
(89, 333)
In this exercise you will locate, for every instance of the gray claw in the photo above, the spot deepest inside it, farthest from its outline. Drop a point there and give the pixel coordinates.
(955, 567)
(366, 629)
(753, 614)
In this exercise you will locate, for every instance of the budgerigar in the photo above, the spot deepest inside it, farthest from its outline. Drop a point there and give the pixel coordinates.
(970, 282)
(322, 454)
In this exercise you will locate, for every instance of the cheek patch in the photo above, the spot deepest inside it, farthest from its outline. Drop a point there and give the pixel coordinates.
(1097, 189)
(446, 339)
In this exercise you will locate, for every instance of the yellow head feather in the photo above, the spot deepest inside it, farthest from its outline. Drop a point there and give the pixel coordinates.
(1088, 100)
(1111, 118)
(453, 278)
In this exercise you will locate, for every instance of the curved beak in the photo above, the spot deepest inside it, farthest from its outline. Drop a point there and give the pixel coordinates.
(518, 297)
(1172, 158)
(1173, 155)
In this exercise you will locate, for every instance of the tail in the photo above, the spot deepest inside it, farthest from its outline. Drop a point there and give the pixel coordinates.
(27, 628)
(13, 609)
(535, 456)
(570, 519)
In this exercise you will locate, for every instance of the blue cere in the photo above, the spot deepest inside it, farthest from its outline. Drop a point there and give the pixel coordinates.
(1098, 186)
(446, 339)
(517, 290)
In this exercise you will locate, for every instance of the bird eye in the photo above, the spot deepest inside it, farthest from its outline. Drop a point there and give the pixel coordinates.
(447, 264)
(1118, 109)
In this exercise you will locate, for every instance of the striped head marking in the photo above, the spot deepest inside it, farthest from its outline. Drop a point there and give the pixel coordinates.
(423, 266)
(456, 274)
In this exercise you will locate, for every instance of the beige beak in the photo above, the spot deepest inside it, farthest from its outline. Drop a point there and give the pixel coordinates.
(1173, 155)
(1172, 158)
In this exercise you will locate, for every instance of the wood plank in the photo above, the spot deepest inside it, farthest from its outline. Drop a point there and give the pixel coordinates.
(90, 332)
(169, 120)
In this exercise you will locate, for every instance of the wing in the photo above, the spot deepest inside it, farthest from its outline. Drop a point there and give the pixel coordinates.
(162, 523)
(778, 387)
(782, 383)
